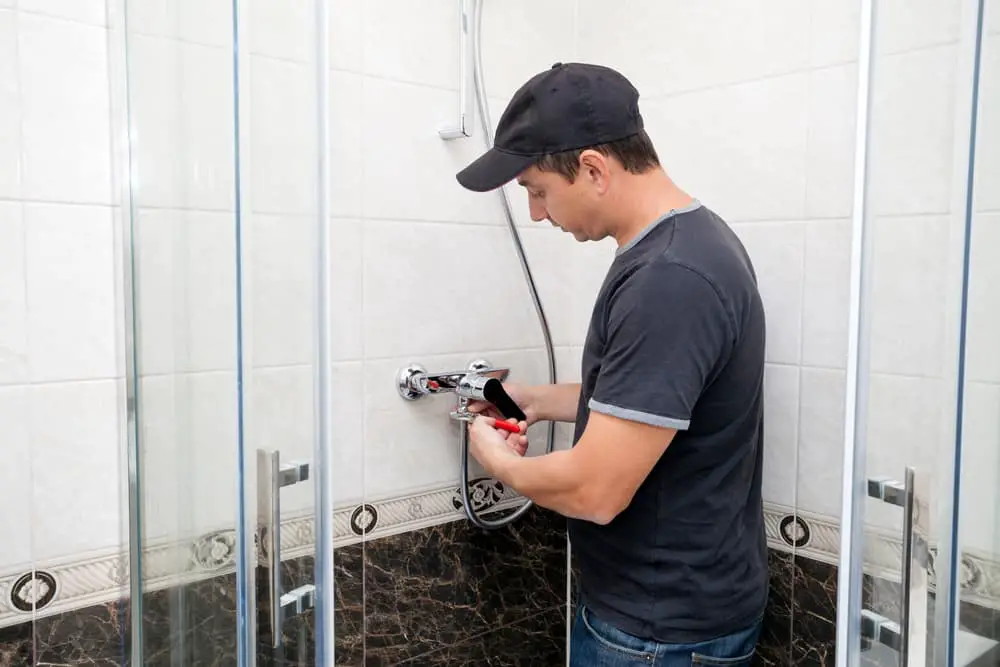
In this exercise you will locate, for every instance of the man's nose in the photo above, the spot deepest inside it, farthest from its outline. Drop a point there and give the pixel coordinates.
(538, 213)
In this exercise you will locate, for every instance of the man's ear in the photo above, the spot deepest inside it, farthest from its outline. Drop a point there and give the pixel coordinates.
(595, 168)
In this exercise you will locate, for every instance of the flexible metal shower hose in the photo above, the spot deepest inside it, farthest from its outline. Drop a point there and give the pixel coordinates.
(484, 119)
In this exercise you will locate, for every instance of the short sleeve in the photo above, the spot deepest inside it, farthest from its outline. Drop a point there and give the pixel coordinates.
(668, 332)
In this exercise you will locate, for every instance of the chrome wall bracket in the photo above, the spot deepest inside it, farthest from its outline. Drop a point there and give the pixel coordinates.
(881, 630)
(272, 476)
(466, 83)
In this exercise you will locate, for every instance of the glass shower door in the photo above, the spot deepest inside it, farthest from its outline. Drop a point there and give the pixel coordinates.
(902, 558)
(223, 182)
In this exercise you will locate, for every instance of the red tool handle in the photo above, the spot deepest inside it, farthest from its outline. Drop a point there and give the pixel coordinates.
(507, 426)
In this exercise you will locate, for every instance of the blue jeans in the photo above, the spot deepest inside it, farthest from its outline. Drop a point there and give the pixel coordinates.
(595, 643)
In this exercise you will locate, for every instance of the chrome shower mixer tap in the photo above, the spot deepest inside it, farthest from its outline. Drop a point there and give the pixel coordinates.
(481, 382)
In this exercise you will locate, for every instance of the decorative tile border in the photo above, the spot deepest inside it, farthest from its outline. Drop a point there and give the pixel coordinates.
(67, 585)
(818, 537)
(62, 586)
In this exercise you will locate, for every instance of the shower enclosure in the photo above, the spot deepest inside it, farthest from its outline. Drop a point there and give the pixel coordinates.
(224, 120)
(238, 223)
(919, 533)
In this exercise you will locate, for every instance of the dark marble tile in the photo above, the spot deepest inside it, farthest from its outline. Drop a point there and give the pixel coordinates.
(537, 640)
(814, 612)
(979, 620)
(349, 581)
(16, 645)
(434, 588)
(775, 644)
(299, 640)
(95, 635)
(444, 588)
(194, 624)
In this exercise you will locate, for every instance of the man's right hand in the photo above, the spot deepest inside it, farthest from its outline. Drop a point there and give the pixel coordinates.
(519, 393)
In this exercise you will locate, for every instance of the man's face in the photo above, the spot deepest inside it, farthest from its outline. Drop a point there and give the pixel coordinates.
(569, 206)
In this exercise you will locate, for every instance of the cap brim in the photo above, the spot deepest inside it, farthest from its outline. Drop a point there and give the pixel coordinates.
(493, 169)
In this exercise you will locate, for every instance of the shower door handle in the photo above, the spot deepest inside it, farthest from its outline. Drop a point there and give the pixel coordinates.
(909, 635)
(272, 476)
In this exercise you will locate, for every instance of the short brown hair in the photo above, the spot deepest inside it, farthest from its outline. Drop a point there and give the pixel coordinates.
(635, 153)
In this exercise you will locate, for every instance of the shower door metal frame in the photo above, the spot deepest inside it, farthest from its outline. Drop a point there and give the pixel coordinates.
(855, 485)
(124, 148)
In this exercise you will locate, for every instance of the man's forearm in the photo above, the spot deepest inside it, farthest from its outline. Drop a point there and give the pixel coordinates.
(556, 402)
(550, 481)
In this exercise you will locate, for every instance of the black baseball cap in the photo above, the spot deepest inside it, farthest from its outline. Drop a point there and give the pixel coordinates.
(567, 107)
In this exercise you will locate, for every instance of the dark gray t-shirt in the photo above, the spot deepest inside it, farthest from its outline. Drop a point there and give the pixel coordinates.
(677, 340)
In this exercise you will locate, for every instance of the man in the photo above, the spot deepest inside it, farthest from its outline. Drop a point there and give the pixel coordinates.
(662, 488)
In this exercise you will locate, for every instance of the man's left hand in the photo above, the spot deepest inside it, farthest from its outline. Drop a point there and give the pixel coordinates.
(491, 446)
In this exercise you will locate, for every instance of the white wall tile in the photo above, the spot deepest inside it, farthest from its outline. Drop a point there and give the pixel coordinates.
(604, 34)
(16, 481)
(747, 165)
(912, 125)
(826, 293)
(70, 292)
(980, 473)
(74, 444)
(86, 11)
(198, 21)
(834, 32)
(283, 137)
(13, 304)
(987, 196)
(161, 154)
(592, 263)
(348, 421)
(983, 332)
(508, 26)
(409, 173)
(658, 39)
(346, 38)
(433, 288)
(903, 25)
(281, 417)
(830, 166)
(821, 441)
(347, 144)
(166, 507)
(781, 428)
(207, 440)
(186, 282)
(556, 262)
(159, 299)
(904, 427)
(183, 109)
(568, 369)
(347, 289)
(908, 298)
(282, 290)
(8, 3)
(10, 108)
(415, 42)
(65, 110)
(777, 252)
(283, 29)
